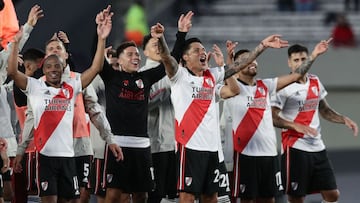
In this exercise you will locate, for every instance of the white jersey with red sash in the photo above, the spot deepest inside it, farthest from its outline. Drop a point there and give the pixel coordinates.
(53, 110)
(253, 131)
(300, 103)
(81, 122)
(196, 117)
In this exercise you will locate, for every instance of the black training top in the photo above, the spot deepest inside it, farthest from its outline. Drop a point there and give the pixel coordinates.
(127, 99)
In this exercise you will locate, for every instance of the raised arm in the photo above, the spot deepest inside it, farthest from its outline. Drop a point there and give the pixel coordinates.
(319, 49)
(331, 115)
(273, 41)
(19, 78)
(171, 66)
(184, 26)
(104, 24)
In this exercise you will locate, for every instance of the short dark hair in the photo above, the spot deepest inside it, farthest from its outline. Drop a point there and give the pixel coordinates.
(123, 46)
(297, 48)
(146, 41)
(33, 54)
(241, 51)
(188, 42)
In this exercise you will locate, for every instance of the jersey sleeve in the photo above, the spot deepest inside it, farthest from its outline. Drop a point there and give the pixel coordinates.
(218, 73)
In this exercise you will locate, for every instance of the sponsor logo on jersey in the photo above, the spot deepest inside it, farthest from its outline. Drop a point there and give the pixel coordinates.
(126, 83)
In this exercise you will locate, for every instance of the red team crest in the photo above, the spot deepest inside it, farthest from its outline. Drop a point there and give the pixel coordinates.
(139, 83)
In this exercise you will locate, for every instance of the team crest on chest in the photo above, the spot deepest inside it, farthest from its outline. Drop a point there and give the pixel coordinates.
(261, 90)
(315, 91)
(139, 83)
(209, 82)
(66, 92)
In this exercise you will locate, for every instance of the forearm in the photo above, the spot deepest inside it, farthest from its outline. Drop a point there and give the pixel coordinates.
(241, 63)
(329, 114)
(178, 46)
(102, 124)
(169, 62)
(305, 66)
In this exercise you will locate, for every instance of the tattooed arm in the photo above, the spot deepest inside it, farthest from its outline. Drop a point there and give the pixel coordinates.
(331, 115)
(285, 124)
(319, 49)
(171, 66)
(272, 41)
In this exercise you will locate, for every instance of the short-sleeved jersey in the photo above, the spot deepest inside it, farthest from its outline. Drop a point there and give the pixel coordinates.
(6, 129)
(53, 110)
(127, 96)
(300, 103)
(252, 124)
(196, 117)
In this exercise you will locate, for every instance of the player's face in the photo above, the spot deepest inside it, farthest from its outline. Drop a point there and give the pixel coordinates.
(152, 50)
(251, 69)
(31, 66)
(296, 59)
(195, 57)
(53, 69)
(129, 60)
(57, 48)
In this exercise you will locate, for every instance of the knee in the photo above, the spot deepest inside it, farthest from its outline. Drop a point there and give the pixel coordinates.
(295, 199)
(331, 196)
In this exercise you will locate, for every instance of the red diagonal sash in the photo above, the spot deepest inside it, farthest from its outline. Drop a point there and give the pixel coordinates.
(250, 121)
(51, 117)
(289, 137)
(194, 114)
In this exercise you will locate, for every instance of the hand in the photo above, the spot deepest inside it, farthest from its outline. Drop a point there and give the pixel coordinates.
(116, 150)
(274, 41)
(103, 19)
(321, 47)
(6, 162)
(35, 13)
(184, 22)
(3, 145)
(352, 125)
(230, 49)
(304, 129)
(63, 37)
(17, 163)
(218, 55)
(157, 31)
(20, 60)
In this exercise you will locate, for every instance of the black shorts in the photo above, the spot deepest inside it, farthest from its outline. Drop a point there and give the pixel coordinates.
(223, 178)
(196, 171)
(133, 174)
(256, 176)
(96, 177)
(165, 174)
(83, 166)
(57, 176)
(29, 164)
(307, 172)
